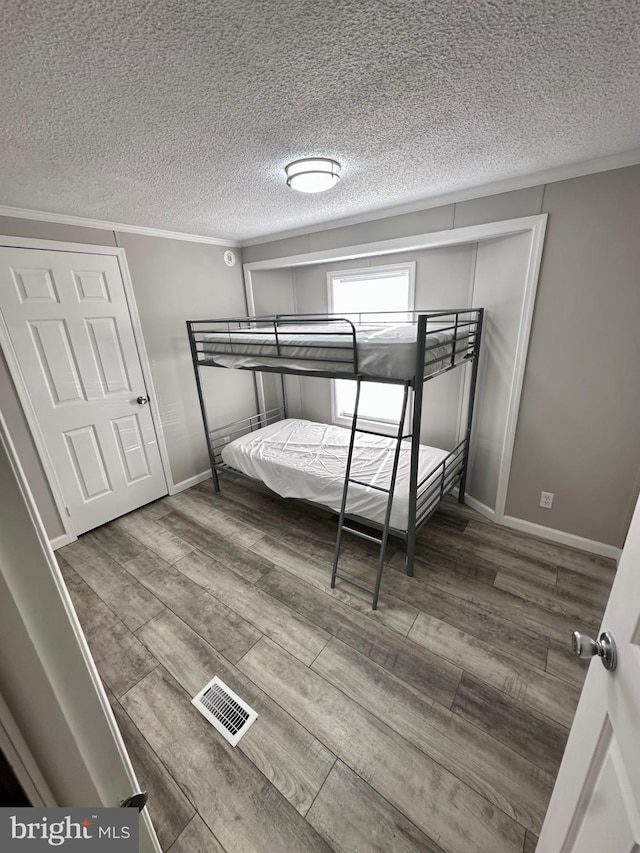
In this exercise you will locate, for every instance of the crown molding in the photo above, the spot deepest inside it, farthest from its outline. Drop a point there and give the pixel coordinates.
(549, 176)
(83, 222)
(560, 173)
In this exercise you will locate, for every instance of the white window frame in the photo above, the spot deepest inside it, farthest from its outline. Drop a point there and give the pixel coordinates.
(363, 274)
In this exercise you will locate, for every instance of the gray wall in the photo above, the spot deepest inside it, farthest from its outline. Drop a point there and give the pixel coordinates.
(273, 293)
(173, 280)
(577, 433)
(488, 209)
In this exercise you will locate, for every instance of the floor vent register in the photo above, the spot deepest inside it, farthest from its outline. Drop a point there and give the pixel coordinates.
(225, 710)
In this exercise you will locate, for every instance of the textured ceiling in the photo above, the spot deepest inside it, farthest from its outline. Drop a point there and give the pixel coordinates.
(181, 114)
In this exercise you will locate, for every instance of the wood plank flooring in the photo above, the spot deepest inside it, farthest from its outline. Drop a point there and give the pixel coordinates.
(435, 724)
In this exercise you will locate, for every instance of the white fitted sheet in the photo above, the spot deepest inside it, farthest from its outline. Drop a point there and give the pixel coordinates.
(387, 351)
(302, 459)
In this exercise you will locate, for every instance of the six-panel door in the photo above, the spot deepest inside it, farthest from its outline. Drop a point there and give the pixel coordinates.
(68, 320)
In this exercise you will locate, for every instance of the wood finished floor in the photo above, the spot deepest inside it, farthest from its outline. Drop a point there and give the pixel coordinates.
(436, 723)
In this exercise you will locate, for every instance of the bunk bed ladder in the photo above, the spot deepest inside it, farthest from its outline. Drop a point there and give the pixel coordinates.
(344, 528)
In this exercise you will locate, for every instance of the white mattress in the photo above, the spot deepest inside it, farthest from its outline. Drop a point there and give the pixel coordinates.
(303, 459)
(385, 351)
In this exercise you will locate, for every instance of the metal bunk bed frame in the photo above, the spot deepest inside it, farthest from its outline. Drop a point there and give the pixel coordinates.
(425, 494)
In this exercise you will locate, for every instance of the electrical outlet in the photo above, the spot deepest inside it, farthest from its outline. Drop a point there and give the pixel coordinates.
(546, 500)
(226, 439)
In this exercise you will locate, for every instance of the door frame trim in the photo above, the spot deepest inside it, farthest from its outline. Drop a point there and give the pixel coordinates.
(50, 643)
(21, 386)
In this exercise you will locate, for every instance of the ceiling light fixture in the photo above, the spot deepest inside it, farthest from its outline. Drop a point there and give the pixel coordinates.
(313, 174)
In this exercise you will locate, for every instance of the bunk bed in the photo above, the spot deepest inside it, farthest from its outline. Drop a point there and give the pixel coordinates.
(378, 485)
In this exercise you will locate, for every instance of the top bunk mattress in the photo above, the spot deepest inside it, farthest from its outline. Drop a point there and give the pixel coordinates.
(302, 459)
(385, 351)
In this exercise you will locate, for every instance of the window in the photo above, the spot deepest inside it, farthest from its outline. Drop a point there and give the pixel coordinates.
(354, 293)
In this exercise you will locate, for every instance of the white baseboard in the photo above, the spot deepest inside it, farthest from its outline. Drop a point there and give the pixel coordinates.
(66, 538)
(562, 538)
(61, 541)
(483, 509)
(549, 533)
(190, 481)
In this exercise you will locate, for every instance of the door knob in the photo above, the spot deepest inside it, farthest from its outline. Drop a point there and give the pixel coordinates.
(604, 647)
(142, 401)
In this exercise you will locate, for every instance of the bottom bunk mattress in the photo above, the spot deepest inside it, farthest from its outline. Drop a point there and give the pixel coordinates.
(302, 459)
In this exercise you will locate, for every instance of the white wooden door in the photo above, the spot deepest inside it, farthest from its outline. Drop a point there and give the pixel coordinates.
(67, 318)
(50, 683)
(595, 806)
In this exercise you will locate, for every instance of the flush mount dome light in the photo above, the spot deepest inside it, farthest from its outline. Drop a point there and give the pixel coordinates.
(313, 174)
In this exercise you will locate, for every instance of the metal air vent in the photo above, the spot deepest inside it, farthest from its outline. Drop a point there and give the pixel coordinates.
(224, 709)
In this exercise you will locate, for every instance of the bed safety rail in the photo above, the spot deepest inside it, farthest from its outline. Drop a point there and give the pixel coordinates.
(329, 344)
(220, 436)
(269, 338)
(439, 482)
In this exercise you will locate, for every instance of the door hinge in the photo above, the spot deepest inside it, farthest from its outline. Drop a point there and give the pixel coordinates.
(68, 511)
